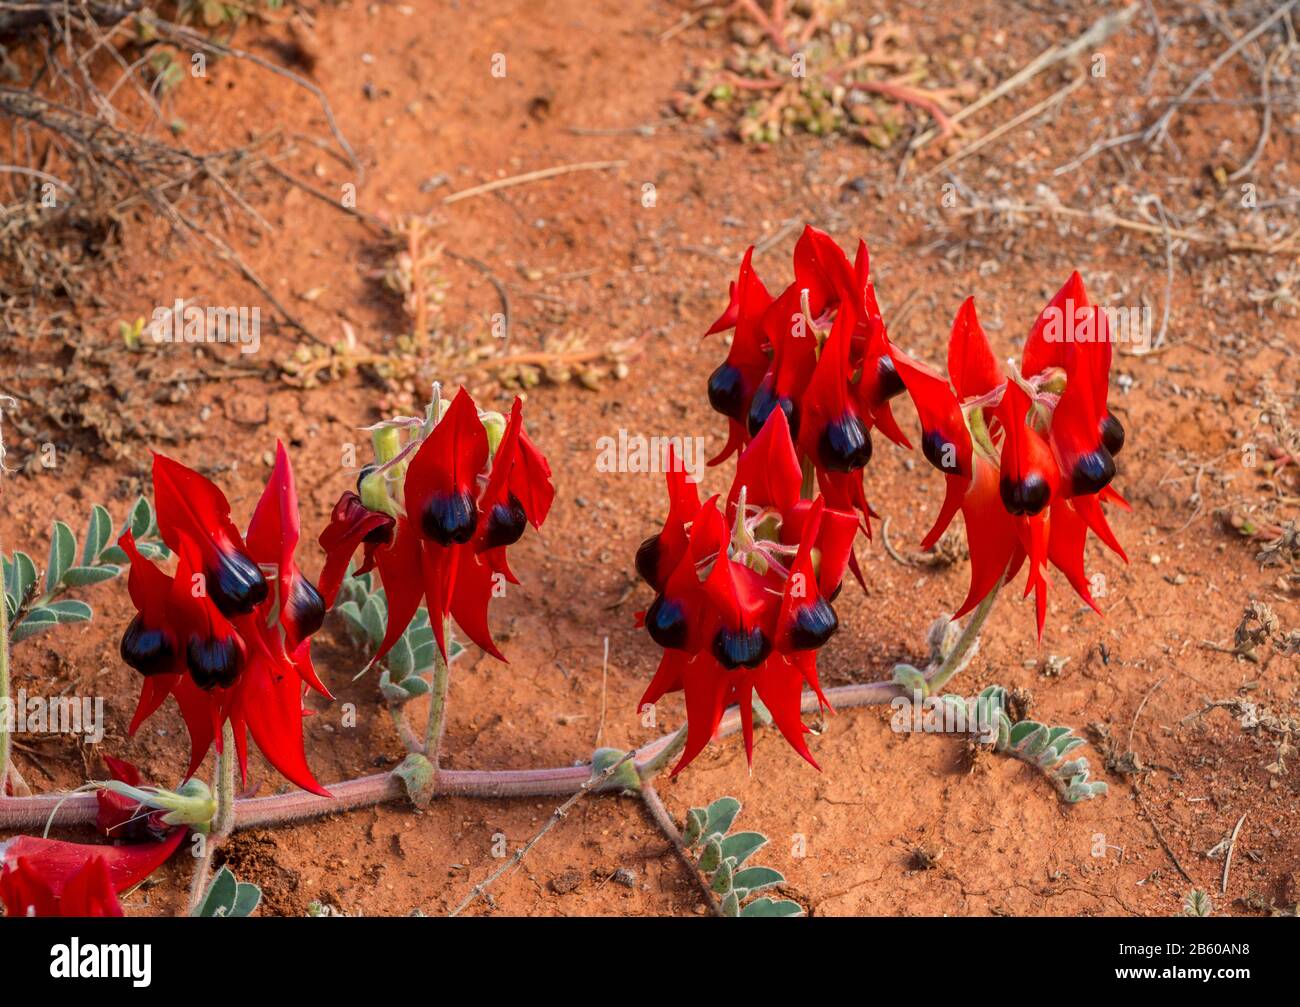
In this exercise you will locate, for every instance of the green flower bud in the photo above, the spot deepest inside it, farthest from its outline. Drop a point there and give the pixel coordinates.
(375, 495)
(495, 425)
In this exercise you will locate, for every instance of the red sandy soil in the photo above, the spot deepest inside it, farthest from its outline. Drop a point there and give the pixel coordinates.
(582, 255)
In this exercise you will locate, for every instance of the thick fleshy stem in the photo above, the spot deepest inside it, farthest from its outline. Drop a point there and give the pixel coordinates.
(366, 791)
(410, 737)
(955, 660)
(223, 822)
(655, 765)
(437, 722)
(380, 788)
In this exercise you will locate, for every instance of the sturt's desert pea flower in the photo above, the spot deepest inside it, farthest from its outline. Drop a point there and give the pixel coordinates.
(1028, 455)
(434, 516)
(228, 633)
(817, 352)
(743, 592)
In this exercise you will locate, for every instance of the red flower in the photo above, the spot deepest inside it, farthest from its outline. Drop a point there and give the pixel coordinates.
(463, 506)
(742, 605)
(49, 877)
(228, 644)
(819, 353)
(1028, 459)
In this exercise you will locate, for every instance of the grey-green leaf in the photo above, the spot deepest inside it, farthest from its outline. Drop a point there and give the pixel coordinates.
(248, 897)
(372, 618)
(742, 845)
(695, 821)
(70, 610)
(711, 858)
(400, 660)
(26, 574)
(768, 908)
(721, 814)
(141, 520)
(754, 878)
(63, 553)
(36, 621)
(82, 576)
(98, 533)
(114, 554)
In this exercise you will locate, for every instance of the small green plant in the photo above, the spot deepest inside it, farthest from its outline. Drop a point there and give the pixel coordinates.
(406, 669)
(1043, 747)
(721, 858)
(227, 896)
(1197, 903)
(33, 605)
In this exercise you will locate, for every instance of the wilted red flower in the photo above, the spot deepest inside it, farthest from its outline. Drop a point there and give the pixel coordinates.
(226, 642)
(121, 817)
(819, 352)
(1028, 459)
(743, 592)
(50, 877)
(463, 503)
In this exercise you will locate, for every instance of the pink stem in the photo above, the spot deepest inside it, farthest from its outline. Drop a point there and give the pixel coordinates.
(17, 813)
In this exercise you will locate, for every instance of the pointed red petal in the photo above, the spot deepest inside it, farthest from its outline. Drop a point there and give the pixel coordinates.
(402, 573)
(971, 365)
(768, 468)
(270, 703)
(470, 600)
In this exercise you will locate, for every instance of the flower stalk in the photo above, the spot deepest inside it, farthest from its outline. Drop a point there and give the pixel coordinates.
(436, 724)
(956, 659)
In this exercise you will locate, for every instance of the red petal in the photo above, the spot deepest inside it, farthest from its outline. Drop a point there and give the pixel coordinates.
(189, 504)
(56, 862)
(705, 685)
(768, 468)
(942, 421)
(402, 573)
(990, 535)
(350, 524)
(1045, 347)
(780, 687)
(450, 458)
(821, 267)
(971, 365)
(470, 600)
(270, 704)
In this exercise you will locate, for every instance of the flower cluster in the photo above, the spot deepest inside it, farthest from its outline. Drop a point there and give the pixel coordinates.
(1028, 456)
(228, 633)
(743, 592)
(468, 483)
(820, 353)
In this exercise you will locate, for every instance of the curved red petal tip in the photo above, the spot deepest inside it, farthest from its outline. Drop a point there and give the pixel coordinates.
(275, 527)
(737, 435)
(351, 524)
(1048, 337)
(55, 862)
(971, 365)
(190, 505)
(768, 468)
